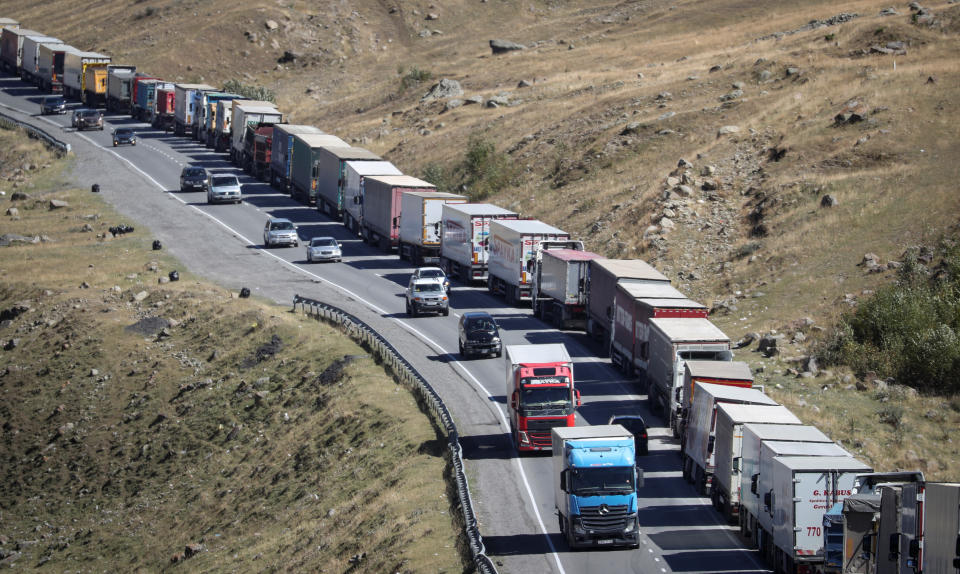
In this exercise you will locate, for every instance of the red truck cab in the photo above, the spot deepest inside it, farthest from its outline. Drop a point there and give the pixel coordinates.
(540, 393)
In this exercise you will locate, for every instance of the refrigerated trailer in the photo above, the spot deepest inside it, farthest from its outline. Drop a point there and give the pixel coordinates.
(464, 247)
(514, 247)
(50, 60)
(420, 216)
(281, 156)
(331, 163)
(381, 197)
(30, 57)
(603, 276)
(559, 287)
(353, 174)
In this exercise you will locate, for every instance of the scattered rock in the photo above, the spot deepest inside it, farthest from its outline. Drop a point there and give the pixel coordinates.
(193, 550)
(8, 239)
(769, 345)
(810, 365)
(524, 84)
(445, 88)
(630, 129)
(433, 16)
(828, 201)
(504, 46)
(728, 130)
(13, 212)
(889, 12)
(474, 100)
(271, 25)
(452, 104)
(715, 68)
(58, 204)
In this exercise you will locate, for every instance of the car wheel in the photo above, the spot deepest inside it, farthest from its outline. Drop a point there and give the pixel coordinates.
(497, 355)
(446, 312)
(408, 308)
(460, 347)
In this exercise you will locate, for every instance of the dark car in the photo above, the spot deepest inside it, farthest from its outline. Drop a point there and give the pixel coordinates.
(90, 120)
(124, 136)
(635, 425)
(53, 105)
(479, 335)
(193, 178)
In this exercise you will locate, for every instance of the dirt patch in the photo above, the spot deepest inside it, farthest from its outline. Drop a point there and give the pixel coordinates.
(148, 326)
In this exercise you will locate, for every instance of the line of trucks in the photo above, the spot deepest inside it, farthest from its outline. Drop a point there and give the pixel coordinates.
(798, 497)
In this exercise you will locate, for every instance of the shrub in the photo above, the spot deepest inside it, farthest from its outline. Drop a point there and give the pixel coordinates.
(891, 415)
(440, 177)
(249, 92)
(413, 77)
(484, 170)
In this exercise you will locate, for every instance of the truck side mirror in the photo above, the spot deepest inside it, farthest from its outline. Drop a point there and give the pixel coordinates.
(753, 483)
(395, 221)
(737, 464)
(914, 549)
(677, 393)
(768, 500)
(894, 554)
(513, 400)
(563, 480)
(710, 442)
(577, 393)
(638, 472)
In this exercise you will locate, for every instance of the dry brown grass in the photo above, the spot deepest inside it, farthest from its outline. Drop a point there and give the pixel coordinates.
(123, 448)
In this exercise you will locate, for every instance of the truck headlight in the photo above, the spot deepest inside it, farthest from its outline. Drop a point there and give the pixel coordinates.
(578, 526)
(524, 439)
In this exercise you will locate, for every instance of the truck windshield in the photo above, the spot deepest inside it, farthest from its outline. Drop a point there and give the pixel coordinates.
(544, 399)
(599, 481)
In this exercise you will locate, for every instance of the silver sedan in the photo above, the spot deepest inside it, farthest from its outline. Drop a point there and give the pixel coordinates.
(324, 249)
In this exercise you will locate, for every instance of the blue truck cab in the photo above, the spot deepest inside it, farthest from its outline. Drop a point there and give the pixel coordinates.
(595, 485)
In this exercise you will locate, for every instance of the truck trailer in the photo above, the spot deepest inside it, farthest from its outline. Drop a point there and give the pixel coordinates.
(305, 172)
(120, 80)
(50, 61)
(464, 247)
(381, 197)
(165, 105)
(729, 373)
(803, 489)
(249, 114)
(420, 217)
(11, 47)
(207, 118)
(634, 305)
(353, 174)
(540, 393)
(331, 162)
(596, 481)
(281, 154)
(672, 343)
(559, 287)
(30, 57)
(753, 435)
(514, 247)
(603, 276)
(184, 106)
(85, 77)
(697, 451)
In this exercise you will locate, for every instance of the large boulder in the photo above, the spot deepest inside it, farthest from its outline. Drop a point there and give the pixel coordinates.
(445, 88)
(504, 46)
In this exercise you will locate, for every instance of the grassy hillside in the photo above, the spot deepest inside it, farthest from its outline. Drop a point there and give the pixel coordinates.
(147, 423)
(754, 151)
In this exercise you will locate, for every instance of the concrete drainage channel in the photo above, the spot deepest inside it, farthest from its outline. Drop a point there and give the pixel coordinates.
(408, 376)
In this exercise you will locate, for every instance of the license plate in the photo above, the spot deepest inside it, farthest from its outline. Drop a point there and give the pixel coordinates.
(608, 541)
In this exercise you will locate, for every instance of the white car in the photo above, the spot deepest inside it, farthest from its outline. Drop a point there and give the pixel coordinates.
(427, 296)
(280, 231)
(223, 189)
(431, 273)
(324, 249)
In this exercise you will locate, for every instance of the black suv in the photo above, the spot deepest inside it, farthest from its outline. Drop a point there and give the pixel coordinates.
(479, 335)
(193, 178)
(636, 426)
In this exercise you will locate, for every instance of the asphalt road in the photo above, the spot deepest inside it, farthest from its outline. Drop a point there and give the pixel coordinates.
(223, 243)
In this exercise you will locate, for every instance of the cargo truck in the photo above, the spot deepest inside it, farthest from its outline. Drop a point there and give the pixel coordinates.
(249, 113)
(281, 154)
(330, 163)
(603, 276)
(262, 147)
(50, 60)
(802, 489)
(698, 459)
(381, 197)
(672, 343)
(207, 119)
(464, 247)
(30, 57)
(305, 172)
(120, 88)
(11, 47)
(145, 99)
(730, 373)
(634, 304)
(85, 77)
(558, 287)
(514, 249)
(353, 174)
(596, 482)
(420, 216)
(135, 86)
(9, 23)
(727, 493)
(753, 435)
(939, 550)
(184, 106)
(166, 104)
(540, 393)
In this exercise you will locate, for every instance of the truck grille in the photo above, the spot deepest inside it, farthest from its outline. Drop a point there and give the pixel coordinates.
(539, 431)
(604, 517)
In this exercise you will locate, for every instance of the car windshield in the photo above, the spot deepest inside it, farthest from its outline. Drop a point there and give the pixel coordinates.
(124, 132)
(225, 180)
(90, 114)
(53, 100)
(281, 226)
(323, 242)
(597, 481)
(482, 324)
(194, 171)
(427, 287)
(431, 273)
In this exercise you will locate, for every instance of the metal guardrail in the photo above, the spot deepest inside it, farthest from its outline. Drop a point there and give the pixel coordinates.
(407, 375)
(62, 147)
